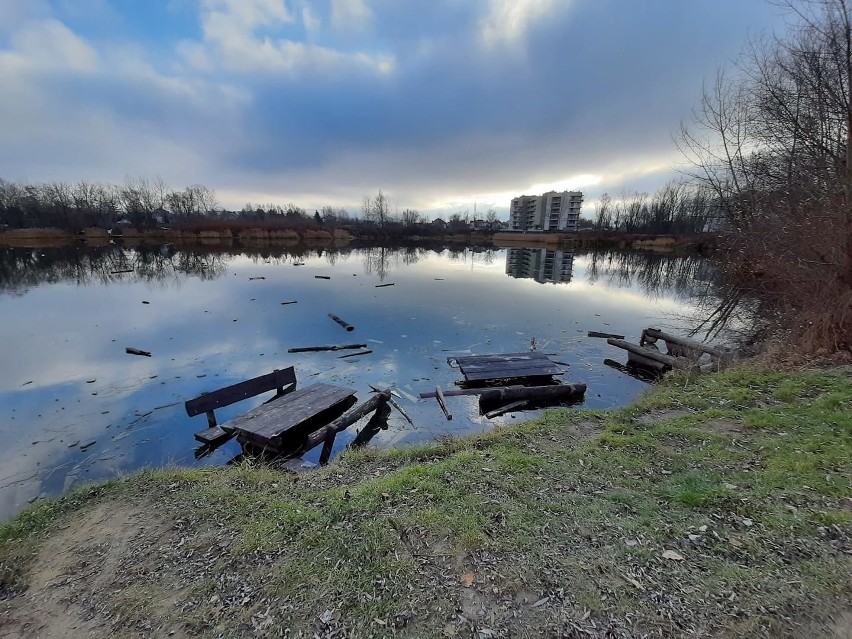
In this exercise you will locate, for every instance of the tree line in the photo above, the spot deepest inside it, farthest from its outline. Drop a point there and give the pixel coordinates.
(771, 140)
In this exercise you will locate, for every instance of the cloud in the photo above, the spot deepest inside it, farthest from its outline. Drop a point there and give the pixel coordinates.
(48, 44)
(350, 14)
(508, 21)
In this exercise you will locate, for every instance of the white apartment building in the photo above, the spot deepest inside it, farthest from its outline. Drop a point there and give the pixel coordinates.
(551, 211)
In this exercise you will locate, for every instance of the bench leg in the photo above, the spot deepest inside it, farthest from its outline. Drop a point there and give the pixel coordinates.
(325, 455)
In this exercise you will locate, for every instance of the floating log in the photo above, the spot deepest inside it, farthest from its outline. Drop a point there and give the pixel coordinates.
(668, 360)
(349, 328)
(533, 393)
(383, 285)
(322, 277)
(635, 371)
(314, 349)
(136, 351)
(442, 403)
(396, 405)
(505, 409)
(290, 302)
(647, 362)
(367, 352)
(123, 270)
(348, 418)
(605, 335)
(261, 277)
(688, 347)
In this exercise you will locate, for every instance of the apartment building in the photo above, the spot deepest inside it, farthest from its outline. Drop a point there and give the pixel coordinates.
(541, 265)
(551, 211)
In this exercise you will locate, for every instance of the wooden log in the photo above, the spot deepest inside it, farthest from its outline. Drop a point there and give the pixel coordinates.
(289, 302)
(383, 285)
(348, 418)
(533, 393)
(605, 335)
(349, 328)
(442, 403)
(136, 351)
(505, 409)
(651, 335)
(322, 277)
(314, 349)
(647, 362)
(674, 362)
(367, 352)
(251, 279)
(123, 270)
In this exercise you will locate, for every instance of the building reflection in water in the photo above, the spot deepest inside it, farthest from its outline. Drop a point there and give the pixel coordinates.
(540, 264)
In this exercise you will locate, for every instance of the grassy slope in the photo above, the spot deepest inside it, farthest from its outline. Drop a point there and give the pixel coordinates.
(544, 527)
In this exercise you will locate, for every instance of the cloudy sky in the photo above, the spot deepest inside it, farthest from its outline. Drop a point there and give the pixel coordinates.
(440, 103)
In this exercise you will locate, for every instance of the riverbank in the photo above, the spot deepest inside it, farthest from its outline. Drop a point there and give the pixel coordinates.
(253, 236)
(716, 506)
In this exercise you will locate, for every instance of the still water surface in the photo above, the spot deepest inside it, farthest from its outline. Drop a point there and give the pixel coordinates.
(74, 407)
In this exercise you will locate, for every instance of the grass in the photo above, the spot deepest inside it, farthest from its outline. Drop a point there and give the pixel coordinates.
(744, 474)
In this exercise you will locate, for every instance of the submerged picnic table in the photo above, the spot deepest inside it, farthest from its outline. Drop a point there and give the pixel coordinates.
(478, 368)
(277, 425)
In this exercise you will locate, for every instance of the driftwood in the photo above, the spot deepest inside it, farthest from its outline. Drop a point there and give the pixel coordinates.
(136, 351)
(367, 352)
(443, 404)
(261, 277)
(668, 360)
(682, 346)
(383, 285)
(347, 419)
(533, 393)
(314, 349)
(605, 335)
(290, 302)
(505, 409)
(322, 277)
(393, 403)
(349, 328)
(647, 362)
(123, 270)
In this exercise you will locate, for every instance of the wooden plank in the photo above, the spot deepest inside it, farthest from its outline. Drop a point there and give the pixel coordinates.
(238, 392)
(348, 418)
(498, 357)
(513, 373)
(214, 436)
(505, 409)
(316, 349)
(510, 366)
(271, 420)
(439, 394)
(604, 335)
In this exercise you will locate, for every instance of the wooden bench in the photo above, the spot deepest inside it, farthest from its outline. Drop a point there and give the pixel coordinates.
(208, 402)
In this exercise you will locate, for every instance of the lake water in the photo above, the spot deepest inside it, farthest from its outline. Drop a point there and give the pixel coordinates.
(74, 407)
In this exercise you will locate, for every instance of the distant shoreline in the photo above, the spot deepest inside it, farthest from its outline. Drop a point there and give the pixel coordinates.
(47, 237)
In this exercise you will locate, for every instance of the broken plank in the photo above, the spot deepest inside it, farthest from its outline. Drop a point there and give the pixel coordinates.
(348, 418)
(505, 409)
(604, 335)
(367, 352)
(315, 349)
(439, 394)
(135, 351)
(214, 436)
(384, 285)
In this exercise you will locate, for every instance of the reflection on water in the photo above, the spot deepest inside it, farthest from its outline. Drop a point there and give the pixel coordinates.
(540, 264)
(75, 407)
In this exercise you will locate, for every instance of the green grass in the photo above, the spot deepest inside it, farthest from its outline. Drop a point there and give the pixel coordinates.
(539, 507)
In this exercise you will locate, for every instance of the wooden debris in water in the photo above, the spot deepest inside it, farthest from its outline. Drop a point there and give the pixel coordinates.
(349, 328)
(605, 335)
(367, 352)
(322, 277)
(505, 409)
(557, 392)
(439, 394)
(289, 302)
(135, 351)
(383, 285)
(260, 277)
(314, 349)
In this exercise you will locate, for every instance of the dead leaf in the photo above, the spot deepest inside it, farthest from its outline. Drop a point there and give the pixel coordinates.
(674, 556)
(540, 602)
(467, 579)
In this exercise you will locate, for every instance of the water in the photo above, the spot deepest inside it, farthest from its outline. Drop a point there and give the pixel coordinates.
(75, 407)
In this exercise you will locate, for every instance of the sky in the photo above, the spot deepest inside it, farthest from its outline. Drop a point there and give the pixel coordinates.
(445, 105)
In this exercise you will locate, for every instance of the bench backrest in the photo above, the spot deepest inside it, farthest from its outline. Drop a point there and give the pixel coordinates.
(237, 392)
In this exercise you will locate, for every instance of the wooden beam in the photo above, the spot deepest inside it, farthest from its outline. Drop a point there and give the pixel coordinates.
(674, 362)
(505, 409)
(243, 390)
(348, 418)
(314, 349)
(651, 335)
